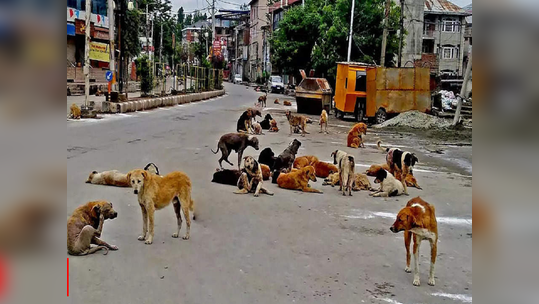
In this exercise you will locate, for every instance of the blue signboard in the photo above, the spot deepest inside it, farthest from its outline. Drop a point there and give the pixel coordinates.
(108, 75)
(70, 29)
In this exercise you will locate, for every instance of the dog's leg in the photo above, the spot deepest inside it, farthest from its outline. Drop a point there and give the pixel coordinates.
(309, 189)
(405, 171)
(433, 252)
(243, 184)
(407, 241)
(240, 155)
(84, 240)
(258, 187)
(225, 154)
(264, 190)
(142, 237)
(417, 244)
(290, 129)
(151, 212)
(186, 197)
(177, 209)
(100, 242)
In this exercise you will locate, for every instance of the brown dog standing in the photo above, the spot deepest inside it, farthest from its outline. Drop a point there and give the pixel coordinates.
(237, 142)
(84, 228)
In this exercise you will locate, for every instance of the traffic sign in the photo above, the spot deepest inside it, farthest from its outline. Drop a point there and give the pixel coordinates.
(108, 75)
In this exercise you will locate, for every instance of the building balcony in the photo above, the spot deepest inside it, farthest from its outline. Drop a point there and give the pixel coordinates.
(429, 34)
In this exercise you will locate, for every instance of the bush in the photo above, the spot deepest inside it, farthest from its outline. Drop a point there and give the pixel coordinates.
(144, 72)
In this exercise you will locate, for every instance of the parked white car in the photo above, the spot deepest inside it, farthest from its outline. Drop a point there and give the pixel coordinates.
(237, 78)
(275, 84)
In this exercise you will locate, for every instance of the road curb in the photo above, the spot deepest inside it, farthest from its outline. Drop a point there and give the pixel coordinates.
(146, 104)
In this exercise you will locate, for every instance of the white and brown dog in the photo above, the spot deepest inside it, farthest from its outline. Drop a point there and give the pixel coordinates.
(346, 164)
(251, 178)
(399, 160)
(389, 185)
(418, 218)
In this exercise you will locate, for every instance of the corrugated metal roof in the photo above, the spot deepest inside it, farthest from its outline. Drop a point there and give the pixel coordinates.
(443, 7)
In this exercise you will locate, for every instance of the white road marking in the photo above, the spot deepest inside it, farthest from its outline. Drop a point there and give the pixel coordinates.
(387, 300)
(370, 215)
(415, 169)
(458, 297)
(374, 145)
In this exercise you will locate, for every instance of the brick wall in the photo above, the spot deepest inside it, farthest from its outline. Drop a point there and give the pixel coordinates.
(77, 75)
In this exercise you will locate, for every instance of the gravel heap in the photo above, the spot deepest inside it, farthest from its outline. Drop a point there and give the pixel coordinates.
(416, 120)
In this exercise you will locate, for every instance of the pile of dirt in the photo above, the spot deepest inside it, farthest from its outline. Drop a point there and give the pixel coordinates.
(416, 120)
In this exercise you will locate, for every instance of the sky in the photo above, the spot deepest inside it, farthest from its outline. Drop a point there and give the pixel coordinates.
(191, 5)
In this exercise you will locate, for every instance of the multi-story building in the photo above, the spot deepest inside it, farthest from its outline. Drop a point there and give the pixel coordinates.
(435, 35)
(191, 32)
(258, 47)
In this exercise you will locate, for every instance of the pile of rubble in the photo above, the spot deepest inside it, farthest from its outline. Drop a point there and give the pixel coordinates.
(416, 120)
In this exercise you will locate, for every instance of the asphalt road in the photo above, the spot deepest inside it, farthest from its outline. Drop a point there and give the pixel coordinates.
(293, 247)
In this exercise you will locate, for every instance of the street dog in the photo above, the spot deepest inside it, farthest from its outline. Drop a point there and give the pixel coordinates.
(324, 169)
(244, 122)
(360, 182)
(276, 101)
(389, 185)
(273, 127)
(237, 142)
(287, 103)
(111, 178)
(373, 169)
(418, 218)
(324, 122)
(262, 100)
(257, 128)
(251, 178)
(403, 161)
(155, 192)
(354, 139)
(267, 157)
(346, 164)
(266, 172)
(226, 177)
(305, 161)
(84, 228)
(266, 123)
(285, 160)
(410, 179)
(298, 180)
(74, 112)
(296, 120)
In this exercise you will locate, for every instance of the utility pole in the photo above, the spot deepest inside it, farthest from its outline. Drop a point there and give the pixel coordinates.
(351, 28)
(384, 36)
(401, 33)
(161, 59)
(236, 53)
(213, 20)
(463, 90)
(112, 63)
(87, 52)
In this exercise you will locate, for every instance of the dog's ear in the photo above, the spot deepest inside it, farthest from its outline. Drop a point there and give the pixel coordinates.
(96, 209)
(416, 223)
(129, 177)
(145, 175)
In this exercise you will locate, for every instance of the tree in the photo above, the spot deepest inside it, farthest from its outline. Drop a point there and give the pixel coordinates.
(181, 17)
(188, 20)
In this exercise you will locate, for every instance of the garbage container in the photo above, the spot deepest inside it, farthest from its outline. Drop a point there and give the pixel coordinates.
(313, 95)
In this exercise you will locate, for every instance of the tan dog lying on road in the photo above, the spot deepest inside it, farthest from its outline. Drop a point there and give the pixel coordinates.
(418, 218)
(361, 182)
(287, 103)
(273, 126)
(298, 180)
(156, 192)
(84, 228)
(276, 101)
(324, 169)
(111, 178)
(304, 161)
(251, 179)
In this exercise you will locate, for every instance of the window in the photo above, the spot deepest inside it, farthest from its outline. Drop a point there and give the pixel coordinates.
(450, 52)
(451, 25)
(361, 81)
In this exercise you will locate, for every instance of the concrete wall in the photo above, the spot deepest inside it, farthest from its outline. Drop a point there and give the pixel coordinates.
(455, 39)
(413, 23)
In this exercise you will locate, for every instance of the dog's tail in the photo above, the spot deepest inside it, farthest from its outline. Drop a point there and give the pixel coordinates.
(379, 146)
(215, 152)
(352, 161)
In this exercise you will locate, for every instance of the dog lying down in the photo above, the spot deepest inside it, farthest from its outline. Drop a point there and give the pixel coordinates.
(410, 180)
(115, 177)
(360, 182)
(298, 180)
(230, 177)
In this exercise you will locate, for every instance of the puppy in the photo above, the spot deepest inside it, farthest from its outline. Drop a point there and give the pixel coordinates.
(276, 101)
(111, 178)
(226, 177)
(389, 185)
(418, 218)
(305, 161)
(156, 192)
(287, 103)
(354, 139)
(324, 169)
(346, 164)
(298, 180)
(74, 112)
(266, 123)
(267, 157)
(285, 160)
(324, 122)
(296, 121)
(237, 142)
(251, 178)
(84, 228)
(273, 127)
(257, 129)
(244, 122)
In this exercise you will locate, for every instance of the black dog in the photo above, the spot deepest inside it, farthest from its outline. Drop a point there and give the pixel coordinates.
(237, 142)
(285, 160)
(267, 157)
(244, 122)
(265, 124)
(226, 177)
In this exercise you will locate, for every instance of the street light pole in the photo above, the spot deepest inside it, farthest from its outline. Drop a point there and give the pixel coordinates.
(351, 28)
(87, 52)
(112, 63)
(385, 33)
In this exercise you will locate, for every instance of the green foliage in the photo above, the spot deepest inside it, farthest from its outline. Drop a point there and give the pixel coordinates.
(144, 72)
(188, 20)
(316, 36)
